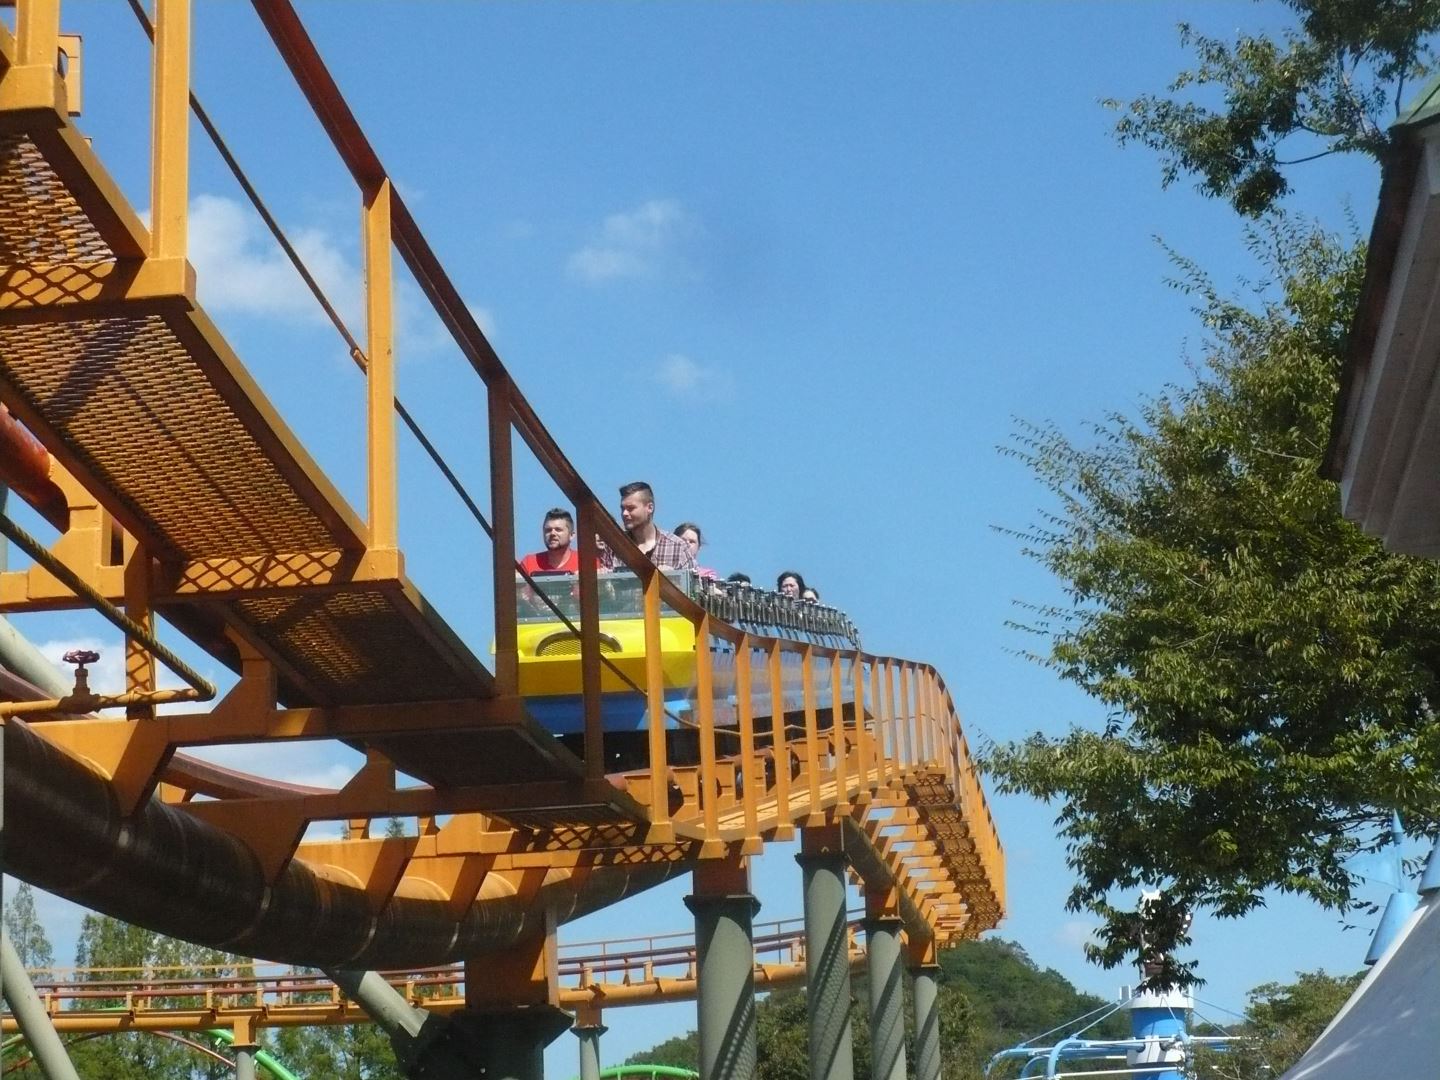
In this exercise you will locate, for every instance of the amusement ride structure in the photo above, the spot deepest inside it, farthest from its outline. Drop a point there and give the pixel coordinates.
(578, 767)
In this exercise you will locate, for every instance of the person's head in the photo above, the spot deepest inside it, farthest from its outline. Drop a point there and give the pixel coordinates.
(738, 579)
(809, 595)
(690, 533)
(637, 505)
(558, 529)
(790, 584)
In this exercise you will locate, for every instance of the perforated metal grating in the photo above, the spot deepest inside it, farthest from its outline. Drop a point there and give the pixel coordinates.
(356, 647)
(43, 222)
(135, 405)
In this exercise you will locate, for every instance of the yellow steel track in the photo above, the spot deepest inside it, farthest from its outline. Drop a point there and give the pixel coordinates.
(189, 497)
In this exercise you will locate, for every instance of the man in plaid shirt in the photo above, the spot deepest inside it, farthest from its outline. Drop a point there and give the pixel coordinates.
(637, 514)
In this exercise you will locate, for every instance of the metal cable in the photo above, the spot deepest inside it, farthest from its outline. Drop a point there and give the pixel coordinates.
(113, 614)
(357, 354)
(803, 620)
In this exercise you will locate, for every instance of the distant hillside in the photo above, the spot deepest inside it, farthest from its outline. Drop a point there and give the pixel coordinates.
(992, 995)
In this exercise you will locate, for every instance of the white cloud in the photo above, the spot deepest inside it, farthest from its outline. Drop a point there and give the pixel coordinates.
(689, 380)
(485, 317)
(637, 243)
(320, 764)
(1075, 933)
(240, 269)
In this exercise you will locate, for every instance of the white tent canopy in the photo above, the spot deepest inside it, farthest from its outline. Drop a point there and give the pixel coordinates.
(1391, 1024)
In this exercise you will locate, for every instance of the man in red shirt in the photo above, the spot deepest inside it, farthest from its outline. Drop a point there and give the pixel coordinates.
(558, 557)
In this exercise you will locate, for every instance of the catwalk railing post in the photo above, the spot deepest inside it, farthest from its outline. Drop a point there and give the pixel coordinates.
(812, 733)
(502, 524)
(37, 32)
(590, 645)
(749, 764)
(655, 701)
(705, 710)
(837, 730)
(380, 367)
(921, 719)
(780, 738)
(892, 723)
(907, 715)
(170, 129)
(139, 661)
(864, 749)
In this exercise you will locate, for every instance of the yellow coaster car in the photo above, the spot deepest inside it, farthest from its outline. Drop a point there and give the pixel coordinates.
(550, 652)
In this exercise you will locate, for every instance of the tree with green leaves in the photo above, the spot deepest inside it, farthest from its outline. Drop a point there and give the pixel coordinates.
(1270, 673)
(25, 930)
(110, 943)
(1253, 107)
(1281, 1021)
(991, 996)
(341, 1052)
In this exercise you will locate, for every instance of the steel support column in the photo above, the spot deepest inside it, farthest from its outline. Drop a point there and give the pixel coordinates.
(500, 1045)
(827, 955)
(887, 997)
(724, 911)
(924, 991)
(245, 1062)
(588, 1030)
(508, 1045)
(30, 1014)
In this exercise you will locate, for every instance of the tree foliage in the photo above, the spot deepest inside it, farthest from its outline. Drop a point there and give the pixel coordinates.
(349, 1052)
(1281, 1021)
(1269, 671)
(1250, 108)
(26, 933)
(109, 943)
(992, 995)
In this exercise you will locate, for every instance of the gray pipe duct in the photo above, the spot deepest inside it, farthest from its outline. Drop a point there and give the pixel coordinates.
(166, 870)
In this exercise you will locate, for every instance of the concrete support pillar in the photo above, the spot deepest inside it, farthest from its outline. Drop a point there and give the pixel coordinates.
(245, 1062)
(507, 1045)
(827, 954)
(510, 1016)
(31, 1017)
(925, 992)
(512, 1013)
(887, 994)
(724, 911)
(244, 1044)
(588, 1030)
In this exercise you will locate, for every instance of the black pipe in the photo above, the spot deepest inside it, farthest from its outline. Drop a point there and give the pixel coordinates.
(170, 872)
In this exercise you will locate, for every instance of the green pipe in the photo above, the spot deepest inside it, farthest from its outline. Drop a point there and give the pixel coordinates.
(262, 1057)
(670, 1072)
(224, 1035)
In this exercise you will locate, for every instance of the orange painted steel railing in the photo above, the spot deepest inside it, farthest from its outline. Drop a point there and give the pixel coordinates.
(910, 731)
(592, 974)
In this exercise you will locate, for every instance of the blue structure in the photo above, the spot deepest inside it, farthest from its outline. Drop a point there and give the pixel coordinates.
(1159, 1022)
(1403, 901)
(1159, 1048)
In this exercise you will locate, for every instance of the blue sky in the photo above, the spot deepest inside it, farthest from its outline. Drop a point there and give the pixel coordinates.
(799, 266)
